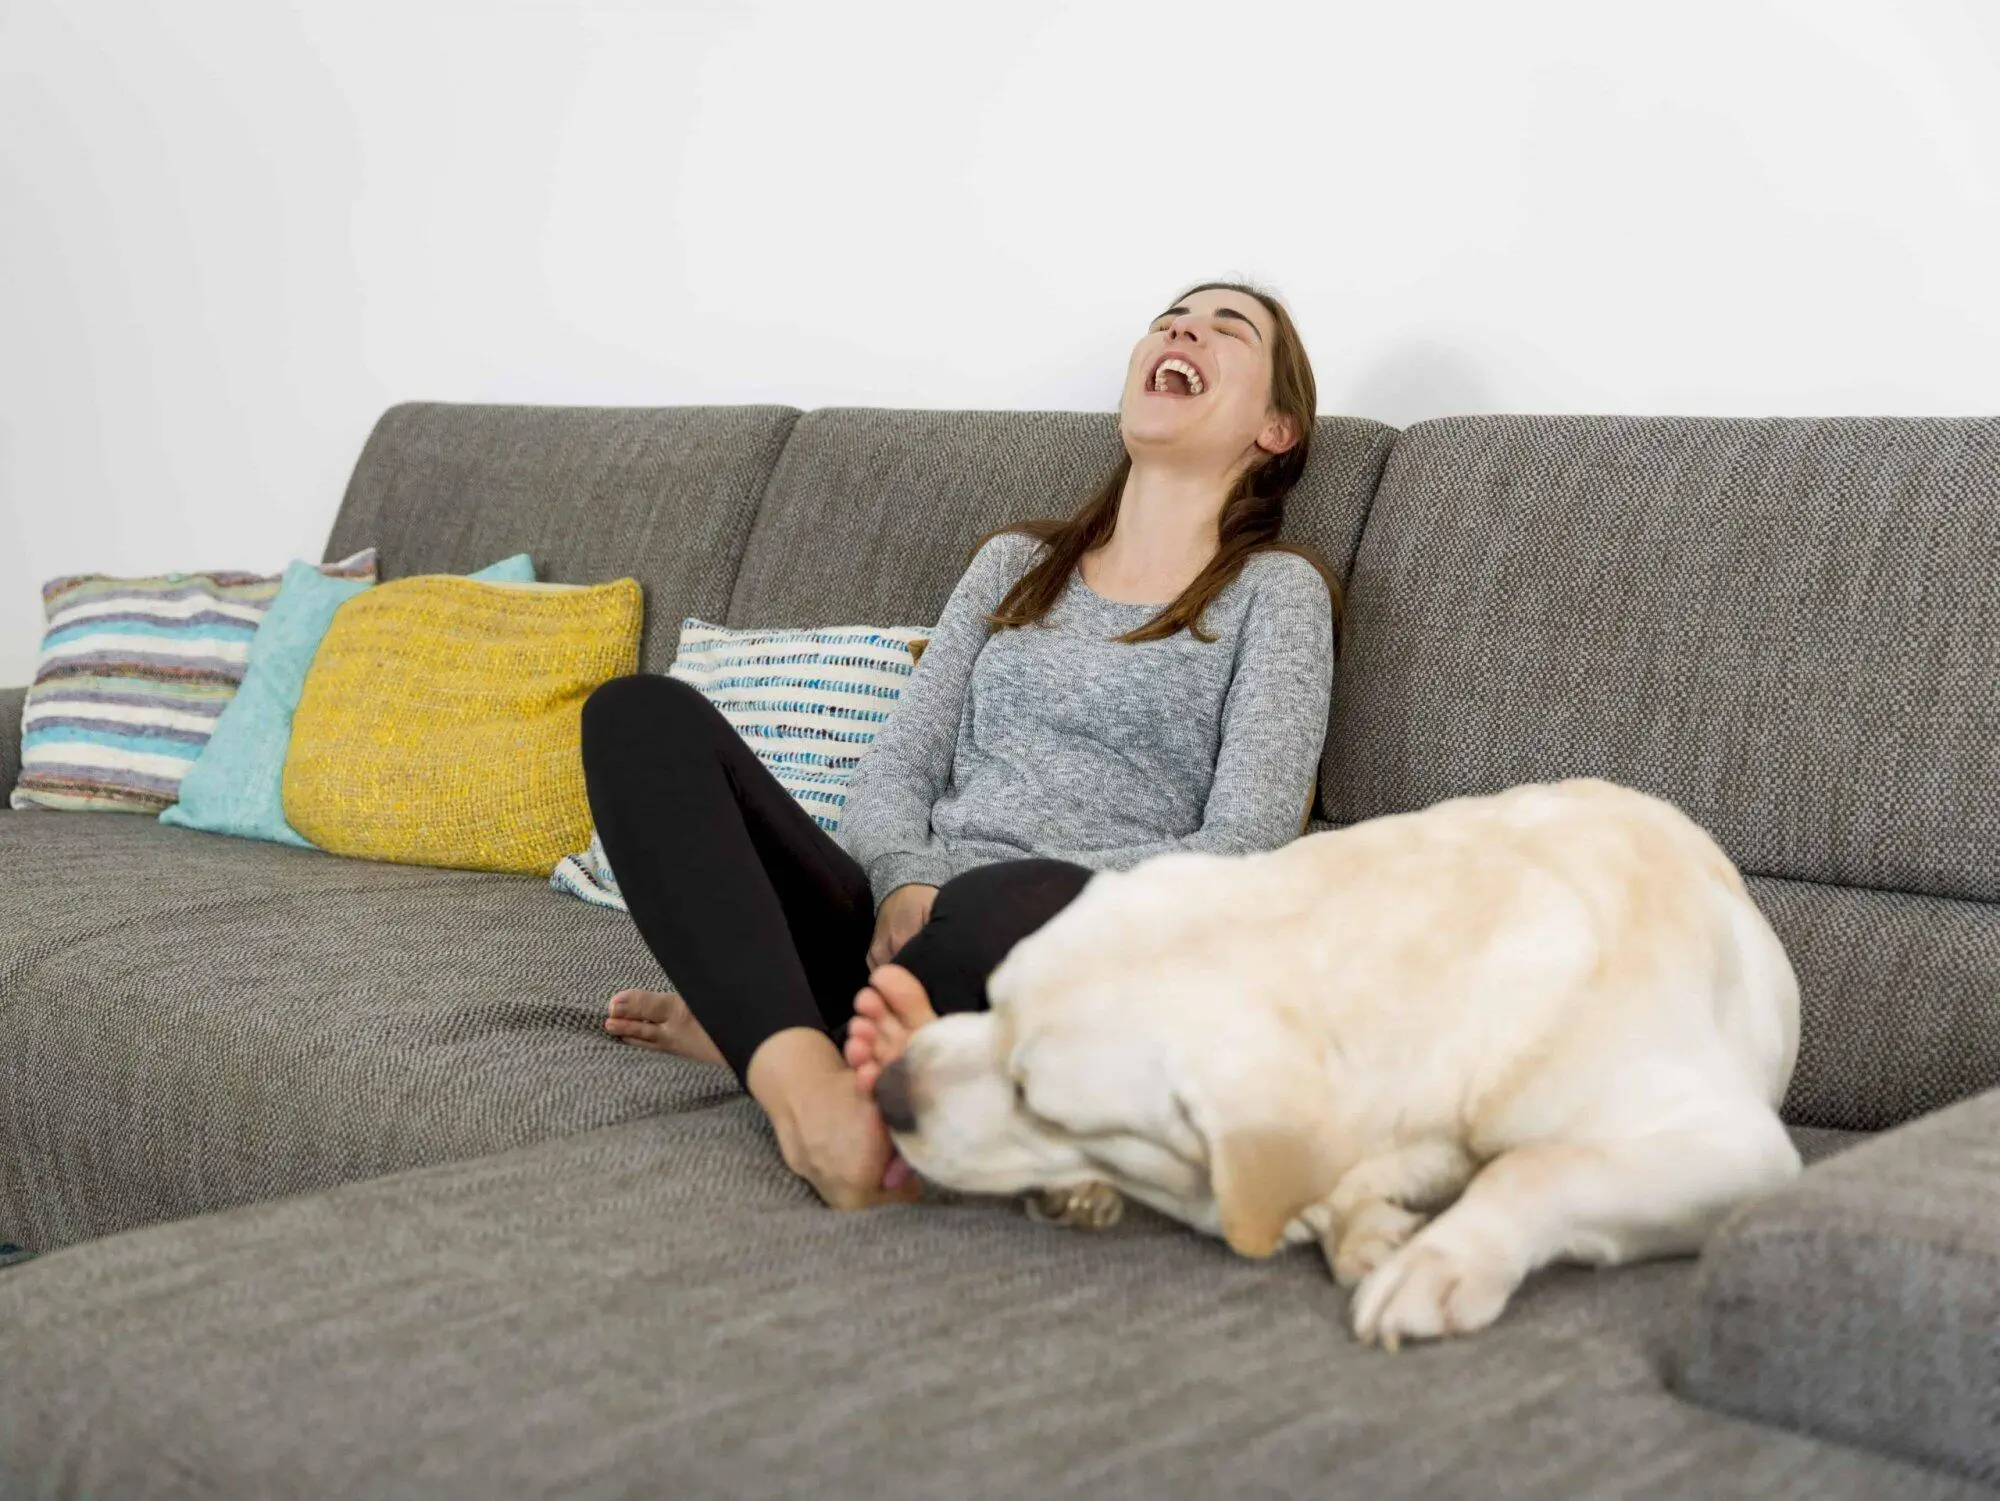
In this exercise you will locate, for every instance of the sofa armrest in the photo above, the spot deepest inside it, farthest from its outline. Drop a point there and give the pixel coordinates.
(1862, 1303)
(11, 700)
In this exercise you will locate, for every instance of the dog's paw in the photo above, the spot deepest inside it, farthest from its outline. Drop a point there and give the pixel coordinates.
(1367, 1240)
(1427, 1291)
(1085, 1206)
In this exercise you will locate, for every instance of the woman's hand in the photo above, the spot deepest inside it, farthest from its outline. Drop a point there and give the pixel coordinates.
(904, 911)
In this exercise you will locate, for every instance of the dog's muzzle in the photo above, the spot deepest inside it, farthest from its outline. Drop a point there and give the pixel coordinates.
(892, 1098)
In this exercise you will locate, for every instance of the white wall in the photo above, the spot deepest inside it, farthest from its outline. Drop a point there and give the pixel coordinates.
(232, 231)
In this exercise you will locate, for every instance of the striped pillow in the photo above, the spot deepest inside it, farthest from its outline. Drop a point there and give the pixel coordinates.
(133, 673)
(807, 702)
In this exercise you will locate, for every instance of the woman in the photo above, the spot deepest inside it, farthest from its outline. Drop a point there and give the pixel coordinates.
(1152, 674)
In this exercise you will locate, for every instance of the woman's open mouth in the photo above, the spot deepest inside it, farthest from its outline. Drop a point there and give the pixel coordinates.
(1174, 376)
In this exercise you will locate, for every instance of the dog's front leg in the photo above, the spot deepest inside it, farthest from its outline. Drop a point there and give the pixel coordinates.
(1384, 1200)
(1609, 1200)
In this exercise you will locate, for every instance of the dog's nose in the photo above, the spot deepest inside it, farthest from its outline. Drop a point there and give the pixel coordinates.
(892, 1098)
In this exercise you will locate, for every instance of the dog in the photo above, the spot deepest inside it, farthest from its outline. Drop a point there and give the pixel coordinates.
(1451, 1046)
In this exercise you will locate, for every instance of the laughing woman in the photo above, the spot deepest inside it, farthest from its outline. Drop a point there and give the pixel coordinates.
(1151, 674)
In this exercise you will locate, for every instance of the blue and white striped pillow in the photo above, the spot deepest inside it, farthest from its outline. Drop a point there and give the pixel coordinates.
(133, 674)
(808, 703)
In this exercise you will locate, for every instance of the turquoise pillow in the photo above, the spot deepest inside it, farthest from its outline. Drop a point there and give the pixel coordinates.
(236, 784)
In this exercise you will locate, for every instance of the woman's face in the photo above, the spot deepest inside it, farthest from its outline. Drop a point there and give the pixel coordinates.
(1198, 389)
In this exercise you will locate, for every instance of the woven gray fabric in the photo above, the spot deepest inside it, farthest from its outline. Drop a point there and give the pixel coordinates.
(11, 700)
(190, 1022)
(1785, 626)
(1863, 1303)
(663, 495)
(871, 515)
(1897, 995)
(659, 1308)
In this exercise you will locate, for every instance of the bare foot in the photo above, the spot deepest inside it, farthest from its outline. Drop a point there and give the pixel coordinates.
(660, 1020)
(832, 1139)
(887, 1012)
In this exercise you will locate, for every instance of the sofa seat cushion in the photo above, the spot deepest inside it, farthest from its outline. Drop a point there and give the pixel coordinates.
(190, 1022)
(1863, 1304)
(662, 1304)
(660, 1308)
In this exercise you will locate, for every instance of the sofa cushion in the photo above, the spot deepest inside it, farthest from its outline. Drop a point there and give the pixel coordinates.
(190, 1021)
(661, 1308)
(663, 494)
(1863, 1303)
(441, 721)
(236, 785)
(809, 703)
(132, 677)
(871, 514)
(1785, 626)
(1896, 995)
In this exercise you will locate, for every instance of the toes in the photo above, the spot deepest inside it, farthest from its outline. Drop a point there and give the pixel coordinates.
(639, 1034)
(1101, 1206)
(645, 1005)
(889, 1049)
(1428, 1291)
(904, 995)
(868, 1003)
(891, 1037)
(859, 1052)
(1370, 1238)
(1357, 1256)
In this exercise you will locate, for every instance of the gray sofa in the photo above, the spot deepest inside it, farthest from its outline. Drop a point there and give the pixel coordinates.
(338, 1188)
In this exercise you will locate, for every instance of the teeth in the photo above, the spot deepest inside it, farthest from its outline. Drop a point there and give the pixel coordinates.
(1193, 376)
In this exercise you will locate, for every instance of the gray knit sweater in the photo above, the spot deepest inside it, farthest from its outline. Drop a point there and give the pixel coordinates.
(1057, 740)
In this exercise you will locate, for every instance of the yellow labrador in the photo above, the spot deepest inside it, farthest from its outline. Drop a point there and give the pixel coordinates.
(1451, 1046)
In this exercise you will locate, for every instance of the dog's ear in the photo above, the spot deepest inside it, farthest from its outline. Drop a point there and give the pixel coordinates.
(1268, 1125)
(1262, 1176)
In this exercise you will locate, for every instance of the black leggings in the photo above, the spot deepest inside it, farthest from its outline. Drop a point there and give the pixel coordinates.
(761, 921)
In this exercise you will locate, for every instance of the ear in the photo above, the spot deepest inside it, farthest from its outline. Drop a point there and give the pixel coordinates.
(1280, 435)
(1269, 1128)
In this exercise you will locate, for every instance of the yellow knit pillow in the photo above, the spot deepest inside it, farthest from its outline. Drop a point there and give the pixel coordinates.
(440, 721)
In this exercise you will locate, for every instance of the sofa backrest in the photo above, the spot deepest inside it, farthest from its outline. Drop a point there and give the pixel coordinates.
(1787, 627)
(871, 513)
(663, 494)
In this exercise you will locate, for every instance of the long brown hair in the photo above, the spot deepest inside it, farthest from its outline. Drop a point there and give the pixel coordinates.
(1248, 524)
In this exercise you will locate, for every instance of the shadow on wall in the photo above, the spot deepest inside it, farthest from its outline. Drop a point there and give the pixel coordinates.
(1414, 379)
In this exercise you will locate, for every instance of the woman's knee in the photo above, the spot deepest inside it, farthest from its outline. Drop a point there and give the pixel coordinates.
(641, 704)
(1036, 889)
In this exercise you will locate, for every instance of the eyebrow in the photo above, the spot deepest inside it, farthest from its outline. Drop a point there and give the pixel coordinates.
(1221, 312)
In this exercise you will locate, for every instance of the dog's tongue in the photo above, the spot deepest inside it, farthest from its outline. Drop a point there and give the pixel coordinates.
(897, 1173)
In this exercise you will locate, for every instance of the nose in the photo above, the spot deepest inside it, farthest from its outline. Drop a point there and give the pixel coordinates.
(892, 1098)
(1184, 329)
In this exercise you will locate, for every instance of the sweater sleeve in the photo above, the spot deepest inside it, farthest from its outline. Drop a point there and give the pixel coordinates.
(886, 822)
(1273, 726)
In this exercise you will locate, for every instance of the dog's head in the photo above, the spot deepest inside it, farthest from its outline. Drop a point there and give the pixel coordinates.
(1127, 1042)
